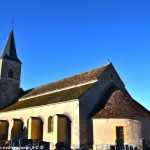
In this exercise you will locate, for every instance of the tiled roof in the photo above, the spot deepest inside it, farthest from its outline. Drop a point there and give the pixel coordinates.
(120, 105)
(67, 82)
(61, 96)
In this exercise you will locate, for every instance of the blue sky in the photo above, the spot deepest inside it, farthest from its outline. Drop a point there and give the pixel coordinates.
(60, 38)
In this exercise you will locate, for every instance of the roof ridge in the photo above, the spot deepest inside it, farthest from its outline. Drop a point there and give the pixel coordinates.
(55, 91)
(61, 96)
(128, 107)
(71, 76)
(74, 80)
(106, 65)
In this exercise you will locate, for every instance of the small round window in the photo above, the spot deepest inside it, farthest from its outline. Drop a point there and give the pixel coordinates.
(10, 73)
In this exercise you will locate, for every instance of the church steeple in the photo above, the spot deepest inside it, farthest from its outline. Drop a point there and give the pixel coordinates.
(9, 51)
(10, 71)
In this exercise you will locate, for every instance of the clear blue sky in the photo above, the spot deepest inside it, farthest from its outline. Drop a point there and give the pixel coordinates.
(60, 38)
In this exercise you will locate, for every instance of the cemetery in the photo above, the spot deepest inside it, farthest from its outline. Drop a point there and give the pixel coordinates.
(24, 144)
(90, 110)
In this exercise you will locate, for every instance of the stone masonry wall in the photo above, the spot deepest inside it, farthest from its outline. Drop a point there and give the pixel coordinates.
(90, 99)
(106, 135)
(9, 87)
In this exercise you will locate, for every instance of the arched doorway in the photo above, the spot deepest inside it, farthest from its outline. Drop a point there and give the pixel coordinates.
(64, 129)
(17, 128)
(35, 129)
(61, 130)
(3, 130)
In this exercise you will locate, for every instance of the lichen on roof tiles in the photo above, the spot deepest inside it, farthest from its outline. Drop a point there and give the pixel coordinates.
(67, 82)
(62, 96)
(121, 105)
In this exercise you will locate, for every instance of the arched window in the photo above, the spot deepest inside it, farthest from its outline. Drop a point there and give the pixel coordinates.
(10, 73)
(50, 124)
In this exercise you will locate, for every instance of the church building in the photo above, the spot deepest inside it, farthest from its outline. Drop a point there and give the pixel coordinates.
(91, 110)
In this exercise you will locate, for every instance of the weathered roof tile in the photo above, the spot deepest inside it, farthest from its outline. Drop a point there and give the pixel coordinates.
(61, 96)
(121, 105)
(67, 82)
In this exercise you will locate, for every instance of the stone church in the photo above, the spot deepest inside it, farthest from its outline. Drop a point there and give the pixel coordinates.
(90, 110)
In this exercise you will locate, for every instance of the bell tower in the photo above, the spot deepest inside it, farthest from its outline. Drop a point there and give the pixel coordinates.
(10, 70)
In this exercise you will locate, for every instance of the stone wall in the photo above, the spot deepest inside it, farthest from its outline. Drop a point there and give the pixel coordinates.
(8, 64)
(89, 100)
(9, 87)
(104, 132)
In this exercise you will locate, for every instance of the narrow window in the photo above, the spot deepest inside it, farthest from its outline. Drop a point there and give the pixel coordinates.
(111, 77)
(52, 125)
(49, 124)
(119, 136)
(10, 73)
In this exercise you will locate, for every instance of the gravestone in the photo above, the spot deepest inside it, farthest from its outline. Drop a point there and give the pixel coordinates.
(112, 147)
(43, 145)
(126, 147)
(23, 142)
(14, 142)
(143, 144)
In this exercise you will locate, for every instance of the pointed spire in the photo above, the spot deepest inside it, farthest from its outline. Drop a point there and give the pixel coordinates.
(9, 51)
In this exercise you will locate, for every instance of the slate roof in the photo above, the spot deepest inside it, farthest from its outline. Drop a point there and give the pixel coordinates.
(9, 51)
(63, 90)
(120, 105)
(67, 82)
